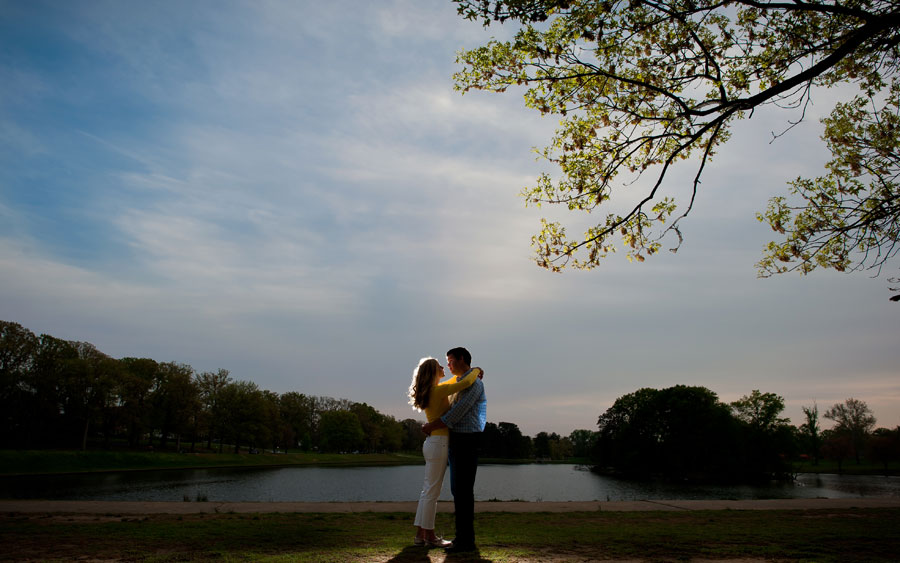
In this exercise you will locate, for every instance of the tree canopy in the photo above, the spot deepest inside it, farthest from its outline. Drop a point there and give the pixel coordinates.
(643, 84)
(681, 431)
(854, 419)
(760, 410)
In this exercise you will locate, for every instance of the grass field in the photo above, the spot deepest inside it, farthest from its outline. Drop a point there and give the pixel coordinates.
(828, 535)
(851, 535)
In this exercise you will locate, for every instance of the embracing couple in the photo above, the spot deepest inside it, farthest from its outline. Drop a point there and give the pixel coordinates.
(454, 431)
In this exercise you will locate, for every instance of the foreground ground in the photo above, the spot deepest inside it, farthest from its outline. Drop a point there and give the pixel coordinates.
(829, 530)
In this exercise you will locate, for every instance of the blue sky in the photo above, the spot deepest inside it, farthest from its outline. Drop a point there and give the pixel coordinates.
(294, 192)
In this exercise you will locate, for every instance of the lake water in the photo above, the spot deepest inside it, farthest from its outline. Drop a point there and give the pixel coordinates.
(537, 482)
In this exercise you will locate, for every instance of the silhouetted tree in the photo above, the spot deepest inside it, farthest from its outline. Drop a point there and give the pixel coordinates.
(244, 413)
(884, 446)
(210, 387)
(412, 436)
(541, 445)
(134, 388)
(340, 431)
(679, 432)
(767, 440)
(47, 387)
(810, 431)
(175, 399)
(854, 419)
(837, 445)
(17, 349)
(299, 413)
(513, 445)
(584, 443)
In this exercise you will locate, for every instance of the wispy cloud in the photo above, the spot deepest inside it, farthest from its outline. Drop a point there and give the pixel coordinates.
(296, 193)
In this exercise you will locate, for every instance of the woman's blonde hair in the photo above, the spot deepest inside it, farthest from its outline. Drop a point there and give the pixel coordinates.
(422, 381)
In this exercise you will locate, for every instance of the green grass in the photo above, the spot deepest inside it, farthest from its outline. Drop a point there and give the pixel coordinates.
(850, 535)
(67, 461)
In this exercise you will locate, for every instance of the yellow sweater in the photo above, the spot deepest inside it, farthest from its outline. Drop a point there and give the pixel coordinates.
(439, 402)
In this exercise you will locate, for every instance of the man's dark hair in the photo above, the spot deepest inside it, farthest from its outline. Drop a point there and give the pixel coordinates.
(461, 354)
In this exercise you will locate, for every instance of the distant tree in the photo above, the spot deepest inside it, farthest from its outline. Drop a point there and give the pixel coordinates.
(299, 413)
(134, 389)
(504, 440)
(372, 425)
(584, 443)
(641, 86)
(491, 442)
(46, 393)
(551, 446)
(17, 350)
(630, 433)
(244, 414)
(678, 432)
(768, 440)
(837, 446)
(105, 408)
(84, 384)
(560, 448)
(412, 435)
(277, 429)
(513, 445)
(541, 444)
(760, 411)
(340, 431)
(811, 432)
(853, 418)
(392, 433)
(210, 386)
(884, 446)
(175, 398)
(325, 404)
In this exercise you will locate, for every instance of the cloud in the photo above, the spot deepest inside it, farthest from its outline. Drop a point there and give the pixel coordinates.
(295, 192)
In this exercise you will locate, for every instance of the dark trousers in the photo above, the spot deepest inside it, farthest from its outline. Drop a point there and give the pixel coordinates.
(463, 465)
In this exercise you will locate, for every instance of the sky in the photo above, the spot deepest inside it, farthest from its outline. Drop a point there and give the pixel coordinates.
(294, 192)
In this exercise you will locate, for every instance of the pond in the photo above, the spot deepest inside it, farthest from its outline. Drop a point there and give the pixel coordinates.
(536, 482)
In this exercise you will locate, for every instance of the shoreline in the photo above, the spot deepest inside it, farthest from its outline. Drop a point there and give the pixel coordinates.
(138, 507)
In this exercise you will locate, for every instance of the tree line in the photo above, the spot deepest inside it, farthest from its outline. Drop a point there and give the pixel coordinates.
(686, 432)
(57, 393)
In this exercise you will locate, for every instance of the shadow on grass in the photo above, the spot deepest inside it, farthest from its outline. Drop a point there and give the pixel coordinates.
(411, 554)
(472, 556)
(416, 554)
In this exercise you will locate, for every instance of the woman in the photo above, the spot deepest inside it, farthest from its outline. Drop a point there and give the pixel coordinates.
(428, 393)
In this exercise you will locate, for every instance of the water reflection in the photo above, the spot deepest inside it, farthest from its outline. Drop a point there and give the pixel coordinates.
(495, 482)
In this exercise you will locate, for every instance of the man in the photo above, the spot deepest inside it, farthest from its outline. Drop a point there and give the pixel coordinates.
(465, 419)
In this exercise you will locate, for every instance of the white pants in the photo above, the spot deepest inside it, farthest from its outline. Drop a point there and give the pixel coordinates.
(435, 451)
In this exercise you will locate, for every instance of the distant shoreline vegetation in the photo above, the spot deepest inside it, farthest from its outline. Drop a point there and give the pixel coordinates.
(36, 462)
(68, 395)
(54, 462)
(136, 413)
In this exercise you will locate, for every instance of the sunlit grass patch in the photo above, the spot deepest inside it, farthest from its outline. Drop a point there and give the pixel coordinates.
(869, 535)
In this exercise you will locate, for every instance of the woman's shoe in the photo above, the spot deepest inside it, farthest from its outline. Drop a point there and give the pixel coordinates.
(417, 541)
(437, 542)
